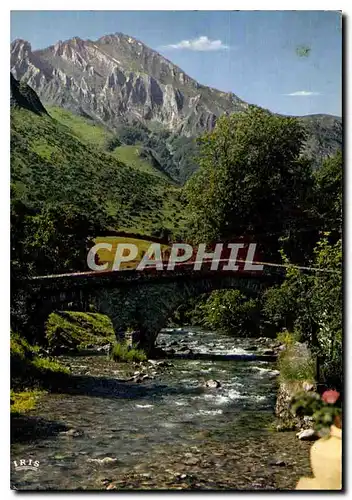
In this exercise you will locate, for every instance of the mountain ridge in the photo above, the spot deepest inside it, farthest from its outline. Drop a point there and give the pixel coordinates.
(117, 80)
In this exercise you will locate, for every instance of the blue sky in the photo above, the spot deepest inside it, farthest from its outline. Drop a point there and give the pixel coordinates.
(287, 61)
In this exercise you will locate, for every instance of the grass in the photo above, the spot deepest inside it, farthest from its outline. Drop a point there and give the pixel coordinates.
(84, 129)
(295, 361)
(47, 365)
(296, 365)
(94, 134)
(78, 329)
(130, 155)
(123, 352)
(22, 402)
(30, 373)
(20, 348)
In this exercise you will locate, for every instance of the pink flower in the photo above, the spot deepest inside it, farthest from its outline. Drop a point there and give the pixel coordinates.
(330, 397)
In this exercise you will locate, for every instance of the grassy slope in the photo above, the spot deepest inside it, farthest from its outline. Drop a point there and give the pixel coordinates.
(84, 129)
(78, 329)
(63, 162)
(98, 136)
(130, 156)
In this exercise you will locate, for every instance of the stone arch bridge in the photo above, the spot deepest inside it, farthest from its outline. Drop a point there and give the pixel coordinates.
(142, 301)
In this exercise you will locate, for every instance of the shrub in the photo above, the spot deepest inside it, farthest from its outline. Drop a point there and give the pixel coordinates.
(296, 363)
(112, 143)
(288, 338)
(231, 312)
(325, 410)
(123, 352)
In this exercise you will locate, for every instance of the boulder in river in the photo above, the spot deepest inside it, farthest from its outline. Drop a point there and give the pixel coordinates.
(184, 348)
(212, 384)
(278, 463)
(103, 461)
(72, 433)
(269, 352)
(105, 348)
(307, 435)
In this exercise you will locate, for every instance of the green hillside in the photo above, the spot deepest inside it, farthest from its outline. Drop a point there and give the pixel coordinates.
(61, 160)
(84, 129)
(133, 157)
(97, 135)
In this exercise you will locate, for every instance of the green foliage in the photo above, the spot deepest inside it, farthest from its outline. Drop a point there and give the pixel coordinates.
(170, 154)
(312, 404)
(125, 353)
(185, 151)
(54, 240)
(28, 368)
(77, 329)
(132, 134)
(133, 157)
(311, 304)
(251, 179)
(65, 190)
(328, 180)
(231, 312)
(296, 364)
(288, 338)
(45, 365)
(112, 143)
(20, 348)
(285, 303)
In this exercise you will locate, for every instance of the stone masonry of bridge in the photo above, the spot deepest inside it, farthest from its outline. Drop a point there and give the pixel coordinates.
(141, 303)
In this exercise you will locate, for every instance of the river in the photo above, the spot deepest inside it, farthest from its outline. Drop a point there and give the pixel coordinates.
(169, 432)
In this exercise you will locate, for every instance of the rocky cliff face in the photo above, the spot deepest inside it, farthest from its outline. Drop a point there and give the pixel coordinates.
(23, 96)
(118, 79)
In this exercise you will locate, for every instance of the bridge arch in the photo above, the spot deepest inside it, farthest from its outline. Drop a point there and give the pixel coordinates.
(147, 308)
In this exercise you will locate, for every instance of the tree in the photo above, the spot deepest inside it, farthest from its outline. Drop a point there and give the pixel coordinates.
(231, 312)
(328, 181)
(53, 240)
(251, 181)
(311, 305)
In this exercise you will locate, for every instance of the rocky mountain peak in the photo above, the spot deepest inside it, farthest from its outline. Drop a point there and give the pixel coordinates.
(119, 79)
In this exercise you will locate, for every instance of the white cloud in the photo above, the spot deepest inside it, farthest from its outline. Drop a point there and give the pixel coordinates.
(302, 93)
(201, 44)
